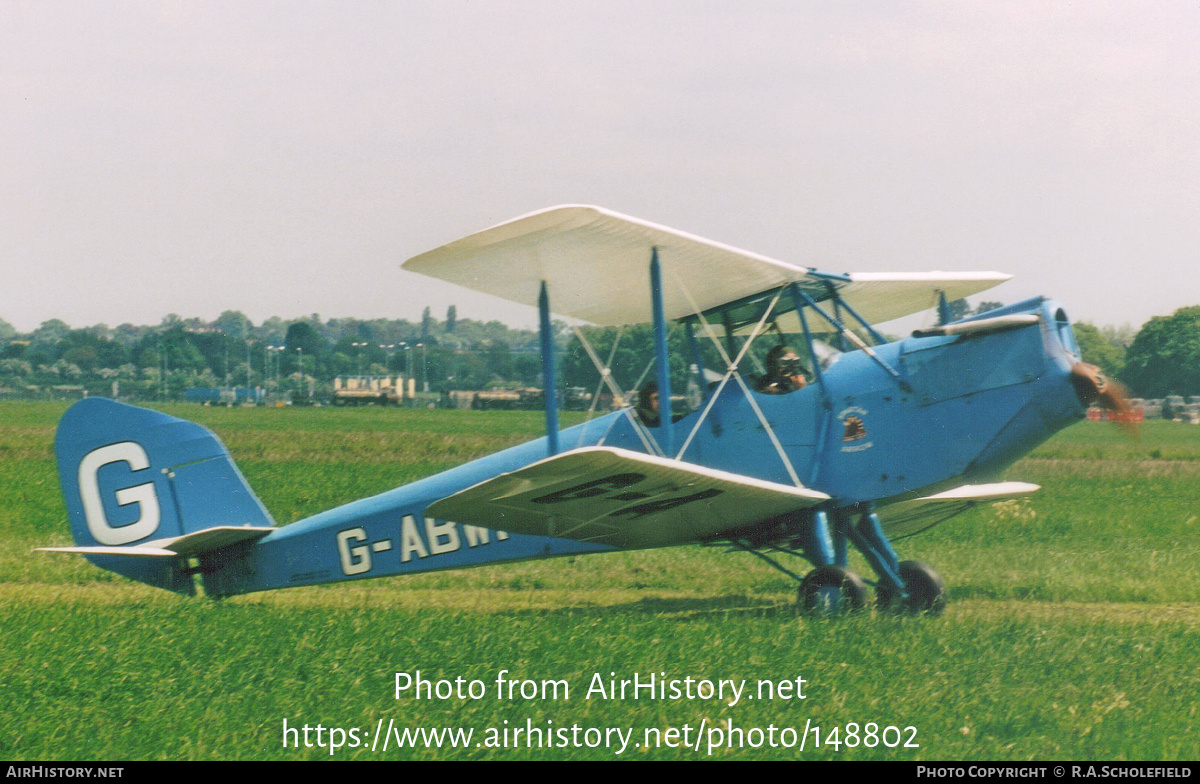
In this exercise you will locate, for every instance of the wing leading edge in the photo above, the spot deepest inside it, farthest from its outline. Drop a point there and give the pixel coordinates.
(626, 499)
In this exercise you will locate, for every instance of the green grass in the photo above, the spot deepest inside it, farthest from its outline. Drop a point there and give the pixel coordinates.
(1072, 630)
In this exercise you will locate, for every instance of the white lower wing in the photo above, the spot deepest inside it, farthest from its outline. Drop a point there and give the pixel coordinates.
(626, 499)
(919, 514)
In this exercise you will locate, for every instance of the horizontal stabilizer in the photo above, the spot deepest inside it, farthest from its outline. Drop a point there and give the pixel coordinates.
(176, 546)
(621, 498)
(913, 516)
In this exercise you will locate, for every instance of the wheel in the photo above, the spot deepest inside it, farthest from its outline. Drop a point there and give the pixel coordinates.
(925, 589)
(832, 590)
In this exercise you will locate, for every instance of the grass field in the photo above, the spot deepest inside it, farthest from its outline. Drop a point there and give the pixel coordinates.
(1072, 630)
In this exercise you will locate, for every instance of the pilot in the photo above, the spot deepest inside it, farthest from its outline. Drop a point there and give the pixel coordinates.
(784, 373)
(647, 404)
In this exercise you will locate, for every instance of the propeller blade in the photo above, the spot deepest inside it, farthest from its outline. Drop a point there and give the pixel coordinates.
(1093, 386)
(1115, 397)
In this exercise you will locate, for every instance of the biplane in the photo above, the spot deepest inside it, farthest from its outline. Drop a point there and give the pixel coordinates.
(873, 440)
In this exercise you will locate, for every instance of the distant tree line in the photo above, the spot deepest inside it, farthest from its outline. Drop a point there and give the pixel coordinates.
(1164, 357)
(302, 356)
(299, 357)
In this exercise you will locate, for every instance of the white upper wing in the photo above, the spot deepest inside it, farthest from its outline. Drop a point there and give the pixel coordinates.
(883, 296)
(595, 263)
(622, 498)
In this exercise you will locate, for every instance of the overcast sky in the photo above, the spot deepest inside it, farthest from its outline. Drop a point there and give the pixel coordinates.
(285, 158)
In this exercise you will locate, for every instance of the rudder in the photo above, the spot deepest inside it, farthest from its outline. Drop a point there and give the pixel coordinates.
(132, 476)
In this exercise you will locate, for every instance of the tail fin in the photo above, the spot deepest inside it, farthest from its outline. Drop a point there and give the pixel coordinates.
(141, 486)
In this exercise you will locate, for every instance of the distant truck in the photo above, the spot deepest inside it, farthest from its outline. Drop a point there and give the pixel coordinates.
(225, 396)
(526, 399)
(575, 399)
(367, 390)
(507, 399)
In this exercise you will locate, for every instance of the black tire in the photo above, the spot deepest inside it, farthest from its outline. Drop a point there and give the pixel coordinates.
(832, 590)
(925, 589)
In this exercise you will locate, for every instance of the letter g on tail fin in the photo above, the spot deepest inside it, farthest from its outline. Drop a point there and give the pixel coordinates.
(144, 495)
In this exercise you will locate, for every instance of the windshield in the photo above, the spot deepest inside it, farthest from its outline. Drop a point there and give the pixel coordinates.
(771, 320)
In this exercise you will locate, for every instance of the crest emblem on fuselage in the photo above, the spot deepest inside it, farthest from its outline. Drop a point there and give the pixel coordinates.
(854, 429)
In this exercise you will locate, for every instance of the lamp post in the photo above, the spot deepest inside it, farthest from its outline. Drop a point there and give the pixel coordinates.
(388, 347)
(273, 351)
(424, 368)
(389, 381)
(407, 374)
(300, 387)
(359, 346)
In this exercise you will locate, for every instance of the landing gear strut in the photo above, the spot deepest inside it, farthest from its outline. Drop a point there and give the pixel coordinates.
(833, 589)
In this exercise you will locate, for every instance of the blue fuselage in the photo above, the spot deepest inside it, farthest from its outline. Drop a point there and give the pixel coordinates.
(961, 410)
